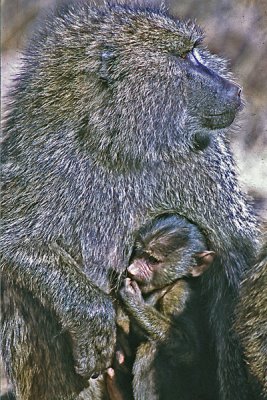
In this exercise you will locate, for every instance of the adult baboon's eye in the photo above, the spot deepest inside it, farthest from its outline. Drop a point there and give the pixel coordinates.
(179, 54)
(183, 55)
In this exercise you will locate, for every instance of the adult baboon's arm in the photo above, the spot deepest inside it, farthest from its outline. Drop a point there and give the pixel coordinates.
(50, 274)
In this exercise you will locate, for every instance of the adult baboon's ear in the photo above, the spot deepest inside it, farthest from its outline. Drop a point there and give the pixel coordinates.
(205, 259)
(107, 60)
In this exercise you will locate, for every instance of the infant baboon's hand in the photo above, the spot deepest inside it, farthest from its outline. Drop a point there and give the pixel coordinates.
(130, 291)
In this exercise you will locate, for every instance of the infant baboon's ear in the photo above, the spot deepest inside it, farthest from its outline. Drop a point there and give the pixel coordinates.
(204, 260)
(107, 59)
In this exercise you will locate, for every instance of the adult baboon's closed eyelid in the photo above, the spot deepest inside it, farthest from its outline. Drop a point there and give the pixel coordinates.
(180, 55)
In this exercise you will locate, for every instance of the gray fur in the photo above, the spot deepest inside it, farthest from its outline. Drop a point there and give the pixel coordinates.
(103, 133)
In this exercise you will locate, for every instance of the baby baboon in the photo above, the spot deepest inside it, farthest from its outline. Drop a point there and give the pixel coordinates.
(168, 359)
(166, 249)
(119, 114)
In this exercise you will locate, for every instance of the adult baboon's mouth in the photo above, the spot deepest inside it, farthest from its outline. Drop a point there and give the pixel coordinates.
(213, 115)
(220, 120)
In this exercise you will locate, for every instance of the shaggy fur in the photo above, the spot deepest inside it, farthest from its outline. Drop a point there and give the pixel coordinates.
(118, 114)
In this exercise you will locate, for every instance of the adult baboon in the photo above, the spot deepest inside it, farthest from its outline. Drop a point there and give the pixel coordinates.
(119, 114)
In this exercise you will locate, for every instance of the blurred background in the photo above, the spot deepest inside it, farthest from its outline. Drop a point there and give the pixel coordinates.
(237, 30)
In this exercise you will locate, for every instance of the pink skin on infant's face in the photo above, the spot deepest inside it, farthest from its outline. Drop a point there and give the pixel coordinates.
(131, 288)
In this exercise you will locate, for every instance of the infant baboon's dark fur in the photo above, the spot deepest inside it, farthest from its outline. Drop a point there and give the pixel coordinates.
(164, 307)
(166, 249)
(118, 114)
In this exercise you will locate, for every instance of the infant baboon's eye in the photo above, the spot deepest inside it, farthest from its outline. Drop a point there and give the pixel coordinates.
(153, 260)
